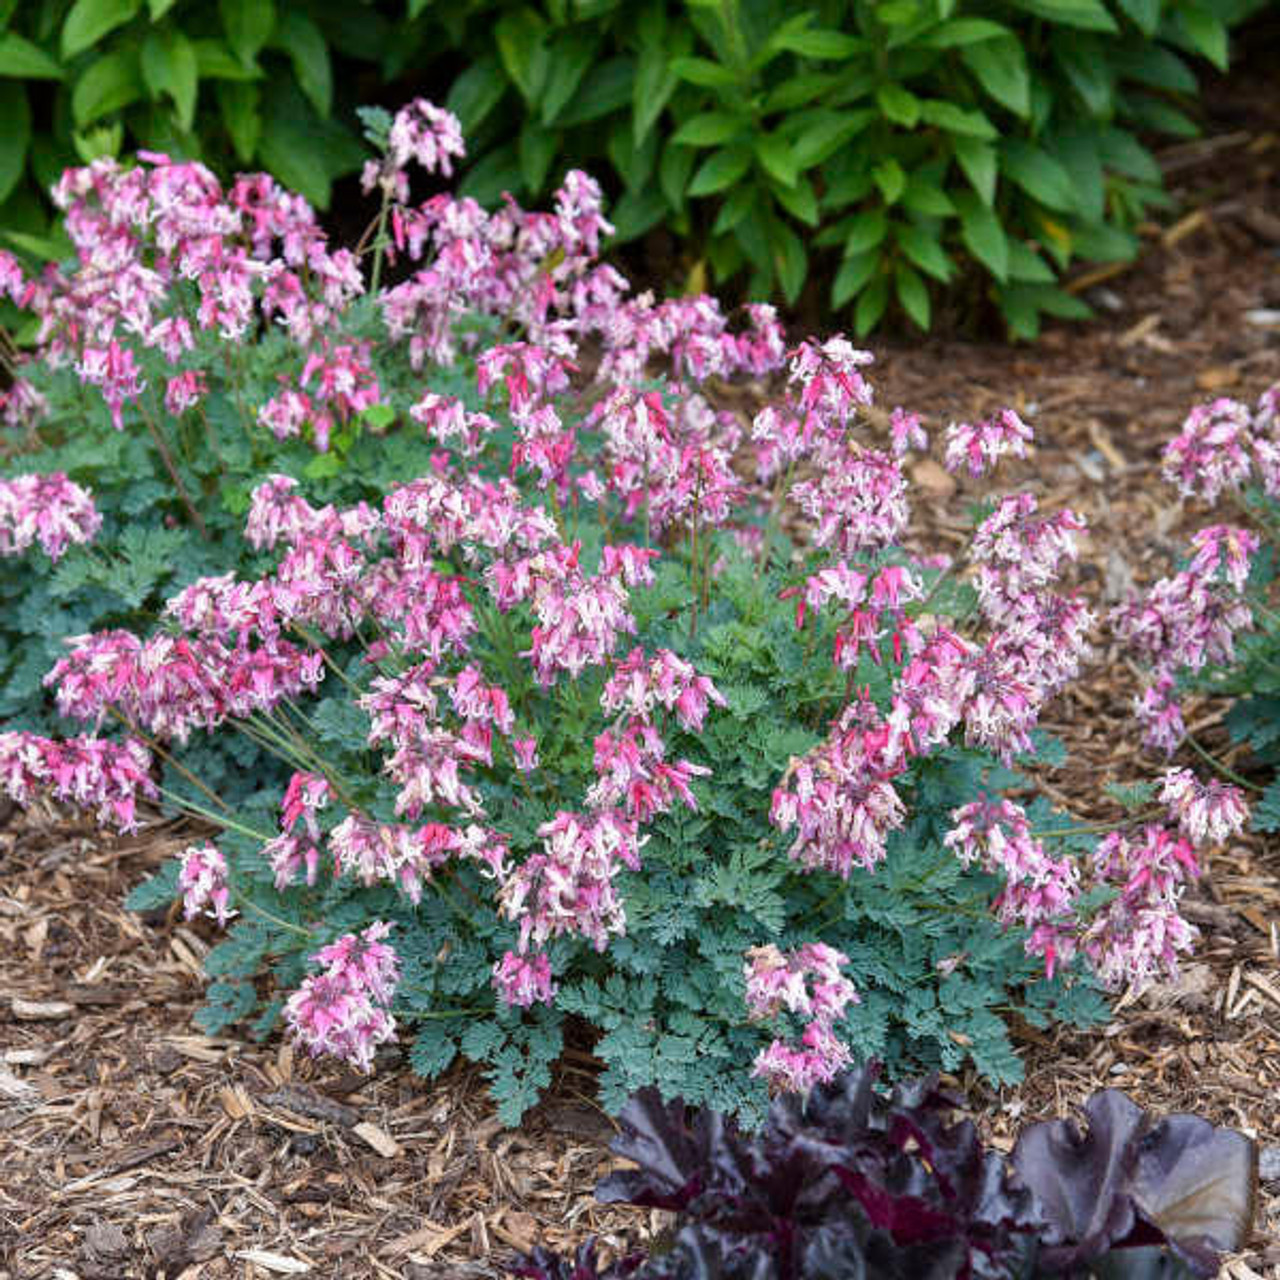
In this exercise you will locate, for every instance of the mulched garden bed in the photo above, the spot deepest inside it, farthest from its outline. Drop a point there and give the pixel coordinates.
(133, 1146)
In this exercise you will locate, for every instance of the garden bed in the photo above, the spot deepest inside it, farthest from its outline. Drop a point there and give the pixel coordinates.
(133, 1146)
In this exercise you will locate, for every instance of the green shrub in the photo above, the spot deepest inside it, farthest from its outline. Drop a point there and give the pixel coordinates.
(909, 139)
(893, 146)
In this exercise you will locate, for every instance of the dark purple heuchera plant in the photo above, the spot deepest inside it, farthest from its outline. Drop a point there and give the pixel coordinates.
(856, 1183)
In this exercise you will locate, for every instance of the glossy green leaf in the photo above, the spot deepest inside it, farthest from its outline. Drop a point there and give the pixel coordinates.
(169, 67)
(654, 84)
(214, 61)
(636, 213)
(869, 229)
(897, 13)
(775, 157)
(1038, 174)
(238, 104)
(22, 60)
(1088, 15)
(538, 147)
(754, 235)
(978, 160)
(710, 129)
(158, 8)
(871, 304)
(634, 164)
(924, 250)
(1158, 116)
(570, 55)
(105, 85)
(891, 180)
(1001, 69)
(1028, 266)
(1145, 14)
(298, 36)
(983, 235)
(1206, 33)
(799, 201)
(719, 170)
(476, 92)
(962, 31)
(248, 25)
(88, 21)
(704, 72)
(825, 133)
(967, 123)
(913, 294)
(1077, 152)
(740, 202)
(304, 151)
(898, 105)
(1087, 68)
(496, 172)
(605, 89)
(1121, 151)
(821, 44)
(799, 91)
(853, 276)
(1154, 65)
(926, 197)
(790, 261)
(519, 34)
(15, 137)
(674, 169)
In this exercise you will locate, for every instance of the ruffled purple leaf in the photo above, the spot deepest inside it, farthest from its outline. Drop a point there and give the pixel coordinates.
(1129, 1182)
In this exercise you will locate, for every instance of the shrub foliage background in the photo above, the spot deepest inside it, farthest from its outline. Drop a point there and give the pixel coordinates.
(906, 145)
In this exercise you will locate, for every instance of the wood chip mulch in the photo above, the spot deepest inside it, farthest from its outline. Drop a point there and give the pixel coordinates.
(133, 1146)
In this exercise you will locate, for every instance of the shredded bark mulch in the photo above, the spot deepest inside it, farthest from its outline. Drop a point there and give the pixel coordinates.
(133, 1146)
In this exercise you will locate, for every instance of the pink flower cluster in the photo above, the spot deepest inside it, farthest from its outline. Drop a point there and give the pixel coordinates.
(569, 887)
(979, 447)
(89, 773)
(1040, 892)
(51, 510)
(1191, 620)
(840, 797)
(807, 983)
(345, 1010)
(202, 878)
(1138, 936)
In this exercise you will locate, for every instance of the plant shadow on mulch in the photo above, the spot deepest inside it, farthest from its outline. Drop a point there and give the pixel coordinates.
(133, 1146)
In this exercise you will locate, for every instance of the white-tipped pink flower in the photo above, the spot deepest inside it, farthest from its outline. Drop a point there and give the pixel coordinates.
(51, 510)
(524, 980)
(1207, 813)
(343, 1011)
(979, 447)
(203, 881)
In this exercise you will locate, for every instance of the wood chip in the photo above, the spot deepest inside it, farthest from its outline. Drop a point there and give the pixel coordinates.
(41, 1010)
(236, 1102)
(381, 1141)
(28, 1057)
(15, 1088)
(276, 1262)
(201, 1048)
(428, 1239)
(1262, 984)
(306, 1102)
